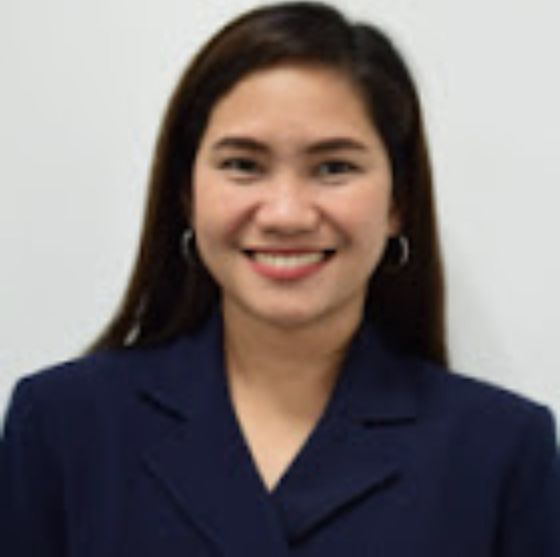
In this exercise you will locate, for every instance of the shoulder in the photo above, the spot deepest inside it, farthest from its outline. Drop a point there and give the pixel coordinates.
(493, 421)
(78, 377)
(83, 388)
(493, 447)
(111, 381)
(443, 390)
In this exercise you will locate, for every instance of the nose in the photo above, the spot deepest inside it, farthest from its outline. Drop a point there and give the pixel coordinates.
(287, 208)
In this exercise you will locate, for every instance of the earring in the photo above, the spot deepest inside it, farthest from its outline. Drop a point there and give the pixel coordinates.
(398, 248)
(187, 240)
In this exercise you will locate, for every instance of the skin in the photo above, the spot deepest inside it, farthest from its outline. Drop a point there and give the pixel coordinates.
(290, 161)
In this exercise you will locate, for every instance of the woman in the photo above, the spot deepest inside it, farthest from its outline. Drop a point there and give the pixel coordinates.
(274, 381)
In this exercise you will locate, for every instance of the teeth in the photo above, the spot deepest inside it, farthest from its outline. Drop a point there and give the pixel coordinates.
(288, 261)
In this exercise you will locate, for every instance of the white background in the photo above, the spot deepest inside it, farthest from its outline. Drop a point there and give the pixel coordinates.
(82, 89)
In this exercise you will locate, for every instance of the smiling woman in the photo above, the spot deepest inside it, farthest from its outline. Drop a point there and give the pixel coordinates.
(292, 198)
(275, 381)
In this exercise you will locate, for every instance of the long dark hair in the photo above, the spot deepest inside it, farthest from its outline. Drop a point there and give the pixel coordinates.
(167, 296)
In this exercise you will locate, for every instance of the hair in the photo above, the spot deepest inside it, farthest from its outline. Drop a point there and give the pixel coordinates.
(168, 296)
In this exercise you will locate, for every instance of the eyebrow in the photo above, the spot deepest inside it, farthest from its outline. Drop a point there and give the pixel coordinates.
(336, 144)
(239, 142)
(322, 146)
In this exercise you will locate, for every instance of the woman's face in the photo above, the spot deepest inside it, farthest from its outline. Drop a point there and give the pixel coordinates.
(292, 196)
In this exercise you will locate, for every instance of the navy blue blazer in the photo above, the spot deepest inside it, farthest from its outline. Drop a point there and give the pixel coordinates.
(138, 454)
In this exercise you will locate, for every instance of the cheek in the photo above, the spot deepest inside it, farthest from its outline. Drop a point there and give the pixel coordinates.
(367, 216)
(207, 201)
(219, 210)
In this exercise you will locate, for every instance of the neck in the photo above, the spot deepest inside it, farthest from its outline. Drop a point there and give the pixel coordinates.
(292, 366)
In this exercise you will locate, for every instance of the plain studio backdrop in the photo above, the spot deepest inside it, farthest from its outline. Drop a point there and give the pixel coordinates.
(82, 90)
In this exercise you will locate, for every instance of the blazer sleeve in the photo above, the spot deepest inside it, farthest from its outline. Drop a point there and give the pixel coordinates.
(30, 485)
(531, 516)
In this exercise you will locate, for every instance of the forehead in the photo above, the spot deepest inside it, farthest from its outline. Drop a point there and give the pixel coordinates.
(292, 99)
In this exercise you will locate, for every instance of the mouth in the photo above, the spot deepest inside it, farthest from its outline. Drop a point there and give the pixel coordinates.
(289, 258)
(288, 264)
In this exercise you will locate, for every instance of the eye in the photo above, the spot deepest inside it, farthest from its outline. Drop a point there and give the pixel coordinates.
(241, 166)
(336, 169)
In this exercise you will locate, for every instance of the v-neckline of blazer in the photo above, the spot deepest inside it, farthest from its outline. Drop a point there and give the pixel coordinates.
(206, 466)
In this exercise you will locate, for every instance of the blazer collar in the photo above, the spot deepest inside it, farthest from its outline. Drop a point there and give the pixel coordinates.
(358, 446)
(375, 384)
(201, 460)
(180, 375)
(205, 465)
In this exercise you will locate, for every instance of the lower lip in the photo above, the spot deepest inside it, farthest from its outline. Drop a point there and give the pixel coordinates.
(287, 273)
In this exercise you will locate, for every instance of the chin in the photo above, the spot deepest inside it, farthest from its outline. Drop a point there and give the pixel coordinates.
(285, 316)
(295, 318)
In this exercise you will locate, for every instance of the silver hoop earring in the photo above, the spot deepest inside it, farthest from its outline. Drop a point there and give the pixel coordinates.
(404, 247)
(397, 252)
(187, 239)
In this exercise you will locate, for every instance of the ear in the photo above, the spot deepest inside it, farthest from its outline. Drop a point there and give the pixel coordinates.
(395, 220)
(187, 204)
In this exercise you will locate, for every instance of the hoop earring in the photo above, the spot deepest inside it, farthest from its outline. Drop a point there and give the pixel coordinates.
(398, 251)
(187, 242)
(404, 245)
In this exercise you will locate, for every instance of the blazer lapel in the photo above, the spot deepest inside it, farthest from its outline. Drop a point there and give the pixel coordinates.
(203, 463)
(357, 447)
